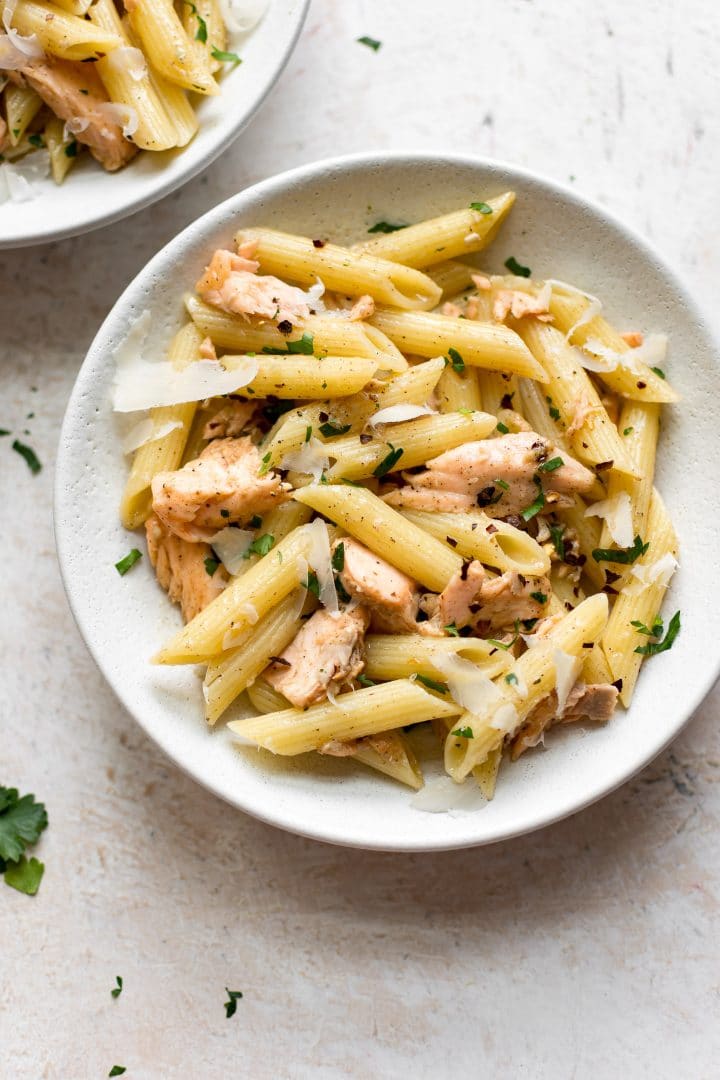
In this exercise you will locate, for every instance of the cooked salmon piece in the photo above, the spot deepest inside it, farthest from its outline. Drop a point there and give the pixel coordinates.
(391, 596)
(595, 702)
(222, 486)
(230, 420)
(472, 598)
(231, 283)
(207, 349)
(518, 304)
(74, 91)
(325, 653)
(180, 569)
(502, 475)
(363, 308)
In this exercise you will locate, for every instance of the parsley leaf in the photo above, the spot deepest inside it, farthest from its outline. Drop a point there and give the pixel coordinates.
(308, 433)
(502, 428)
(127, 561)
(365, 681)
(654, 631)
(621, 555)
(658, 371)
(303, 346)
(211, 565)
(338, 558)
(29, 454)
(452, 630)
(389, 462)
(231, 1004)
(372, 43)
(25, 875)
(260, 545)
(265, 463)
(225, 57)
(21, 822)
(551, 465)
(36, 140)
(517, 268)
(117, 990)
(557, 532)
(628, 430)
(312, 584)
(432, 684)
(506, 645)
(535, 507)
(482, 207)
(455, 359)
(385, 227)
(117, 1070)
(541, 597)
(554, 412)
(342, 592)
(512, 679)
(201, 35)
(71, 149)
(654, 647)
(331, 428)
(464, 732)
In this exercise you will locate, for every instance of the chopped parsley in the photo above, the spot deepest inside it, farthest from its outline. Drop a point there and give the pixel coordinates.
(502, 428)
(512, 679)
(342, 592)
(658, 371)
(432, 684)
(372, 43)
(481, 207)
(202, 31)
(71, 149)
(308, 433)
(225, 57)
(265, 463)
(557, 532)
(338, 558)
(330, 428)
(654, 647)
(502, 484)
(261, 545)
(303, 346)
(621, 555)
(36, 140)
(385, 227)
(541, 597)
(654, 631)
(117, 1070)
(455, 360)
(628, 430)
(275, 409)
(464, 732)
(5, 431)
(29, 454)
(509, 644)
(255, 521)
(231, 1004)
(365, 681)
(452, 630)
(551, 465)
(21, 822)
(552, 409)
(517, 268)
(389, 462)
(211, 565)
(127, 561)
(312, 584)
(118, 988)
(535, 507)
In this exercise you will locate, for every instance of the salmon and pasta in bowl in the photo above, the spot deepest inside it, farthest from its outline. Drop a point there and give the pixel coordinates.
(390, 491)
(107, 78)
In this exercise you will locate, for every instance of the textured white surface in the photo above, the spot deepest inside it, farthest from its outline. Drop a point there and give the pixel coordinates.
(589, 949)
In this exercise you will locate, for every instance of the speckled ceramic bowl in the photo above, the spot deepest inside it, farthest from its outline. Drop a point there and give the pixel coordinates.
(123, 620)
(90, 197)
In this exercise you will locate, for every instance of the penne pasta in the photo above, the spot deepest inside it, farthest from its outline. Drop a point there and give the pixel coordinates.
(177, 57)
(452, 277)
(494, 542)
(459, 390)
(400, 656)
(22, 105)
(306, 376)
(638, 425)
(61, 33)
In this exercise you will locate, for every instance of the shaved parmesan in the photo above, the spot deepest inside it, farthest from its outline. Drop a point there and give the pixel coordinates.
(567, 669)
(240, 16)
(129, 60)
(334, 699)
(505, 719)
(146, 431)
(594, 307)
(250, 612)
(17, 180)
(124, 116)
(651, 353)
(28, 47)
(654, 573)
(313, 296)
(75, 126)
(443, 796)
(230, 546)
(142, 384)
(321, 562)
(467, 684)
(395, 414)
(617, 514)
(311, 459)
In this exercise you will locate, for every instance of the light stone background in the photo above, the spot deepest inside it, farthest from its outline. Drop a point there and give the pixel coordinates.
(587, 950)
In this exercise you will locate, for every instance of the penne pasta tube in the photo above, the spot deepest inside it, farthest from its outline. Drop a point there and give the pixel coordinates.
(587, 530)
(164, 453)
(61, 33)
(590, 431)
(485, 345)
(531, 679)
(399, 656)
(642, 383)
(532, 402)
(173, 98)
(178, 57)
(331, 335)
(494, 542)
(57, 143)
(486, 773)
(207, 11)
(243, 603)
(621, 638)
(357, 714)
(458, 390)
(447, 237)
(500, 391)
(639, 425)
(232, 672)
(389, 752)
(452, 276)
(306, 376)
(75, 7)
(384, 531)
(295, 258)
(595, 666)
(22, 105)
(414, 440)
(265, 699)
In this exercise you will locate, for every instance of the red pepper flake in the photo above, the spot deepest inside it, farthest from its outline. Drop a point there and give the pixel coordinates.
(451, 542)
(641, 385)
(602, 465)
(285, 327)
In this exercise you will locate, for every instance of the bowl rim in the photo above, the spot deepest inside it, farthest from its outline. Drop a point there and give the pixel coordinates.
(63, 527)
(186, 172)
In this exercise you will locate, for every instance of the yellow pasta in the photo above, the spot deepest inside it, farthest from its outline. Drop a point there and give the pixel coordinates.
(452, 277)
(638, 426)
(61, 33)
(176, 56)
(57, 143)
(306, 376)
(22, 105)
(459, 390)
(476, 536)
(399, 656)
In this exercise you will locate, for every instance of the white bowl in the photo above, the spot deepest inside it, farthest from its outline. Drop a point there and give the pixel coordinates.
(91, 197)
(123, 620)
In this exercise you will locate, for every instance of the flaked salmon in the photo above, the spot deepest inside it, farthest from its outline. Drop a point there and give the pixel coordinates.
(595, 702)
(391, 596)
(231, 282)
(181, 568)
(325, 653)
(472, 598)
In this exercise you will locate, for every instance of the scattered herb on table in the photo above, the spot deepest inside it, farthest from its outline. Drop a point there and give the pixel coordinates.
(118, 988)
(21, 822)
(231, 1004)
(372, 43)
(29, 454)
(385, 227)
(517, 268)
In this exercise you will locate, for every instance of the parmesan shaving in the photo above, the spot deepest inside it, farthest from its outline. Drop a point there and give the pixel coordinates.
(617, 514)
(567, 669)
(443, 796)
(141, 384)
(505, 719)
(395, 414)
(146, 431)
(230, 546)
(321, 562)
(240, 16)
(333, 698)
(654, 573)
(594, 307)
(313, 296)
(250, 612)
(467, 684)
(28, 48)
(311, 459)
(130, 60)
(124, 116)
(75, 126)
(17, 180)
(651, 353)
